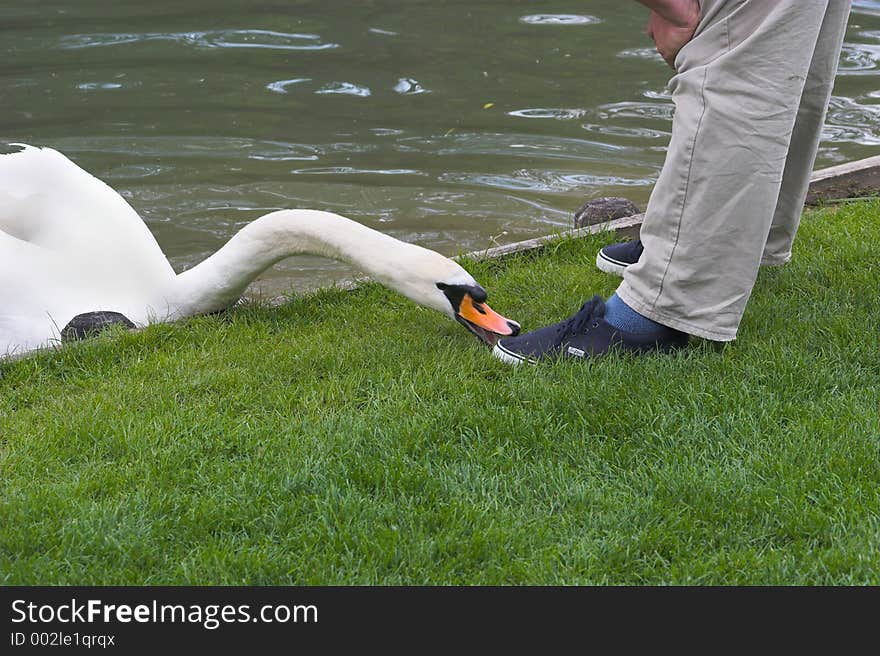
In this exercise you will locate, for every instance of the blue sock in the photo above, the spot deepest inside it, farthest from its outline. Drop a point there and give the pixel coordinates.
(623, 317)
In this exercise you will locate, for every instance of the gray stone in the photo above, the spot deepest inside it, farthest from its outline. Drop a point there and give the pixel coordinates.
(89, 324)
(600, 210)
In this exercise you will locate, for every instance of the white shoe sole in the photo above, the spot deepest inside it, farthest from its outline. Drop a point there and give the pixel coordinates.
(610, 265)
(509, 357)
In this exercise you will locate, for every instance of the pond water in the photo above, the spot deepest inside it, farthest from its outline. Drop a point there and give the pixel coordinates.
(458, 125)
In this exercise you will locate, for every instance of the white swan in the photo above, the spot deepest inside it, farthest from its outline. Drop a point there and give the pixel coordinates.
(69, 245)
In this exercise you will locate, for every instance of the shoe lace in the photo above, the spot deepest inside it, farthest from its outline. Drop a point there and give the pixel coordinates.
(579, 322)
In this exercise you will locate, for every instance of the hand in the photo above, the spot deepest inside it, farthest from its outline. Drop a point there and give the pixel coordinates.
(673, 29)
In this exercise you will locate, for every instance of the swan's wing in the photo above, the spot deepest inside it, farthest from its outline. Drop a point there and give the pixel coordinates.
(41, 292)
(48, 201)
(69, 244)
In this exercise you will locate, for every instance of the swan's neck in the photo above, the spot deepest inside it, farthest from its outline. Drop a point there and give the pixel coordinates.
(220, 280)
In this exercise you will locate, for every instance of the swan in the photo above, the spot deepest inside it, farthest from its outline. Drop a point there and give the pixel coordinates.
(71, 246)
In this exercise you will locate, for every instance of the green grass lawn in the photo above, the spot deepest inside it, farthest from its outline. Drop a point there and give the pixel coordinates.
(354, 438)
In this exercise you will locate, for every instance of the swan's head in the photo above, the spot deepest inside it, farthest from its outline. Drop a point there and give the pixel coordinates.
(468, 303)
(437, 282)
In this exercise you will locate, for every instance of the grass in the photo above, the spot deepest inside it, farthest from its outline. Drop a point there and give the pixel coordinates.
(354, 438)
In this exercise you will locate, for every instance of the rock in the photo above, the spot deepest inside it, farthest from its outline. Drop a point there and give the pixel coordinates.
(90, 324)
(600, 210)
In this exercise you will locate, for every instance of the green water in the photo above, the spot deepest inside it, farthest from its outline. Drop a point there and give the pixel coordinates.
(457, 125)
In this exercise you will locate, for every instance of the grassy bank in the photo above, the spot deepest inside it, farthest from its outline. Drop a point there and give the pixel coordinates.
(355, 438)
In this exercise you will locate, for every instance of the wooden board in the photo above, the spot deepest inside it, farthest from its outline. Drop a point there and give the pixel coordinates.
(850, 180)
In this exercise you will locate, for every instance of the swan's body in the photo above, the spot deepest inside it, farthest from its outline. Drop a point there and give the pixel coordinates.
(69, 244)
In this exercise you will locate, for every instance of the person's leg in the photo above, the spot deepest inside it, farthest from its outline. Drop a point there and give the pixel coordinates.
(806, 135)
(737, 96)
(801, 153)
(737, 93)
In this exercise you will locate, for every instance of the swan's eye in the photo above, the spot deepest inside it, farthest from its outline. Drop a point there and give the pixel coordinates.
(465, 297)
(478, 294)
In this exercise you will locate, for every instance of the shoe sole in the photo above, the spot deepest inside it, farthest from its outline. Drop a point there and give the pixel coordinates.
(509, 357)
(610, 265)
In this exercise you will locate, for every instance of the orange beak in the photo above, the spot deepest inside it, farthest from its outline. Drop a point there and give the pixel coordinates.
(484, 322)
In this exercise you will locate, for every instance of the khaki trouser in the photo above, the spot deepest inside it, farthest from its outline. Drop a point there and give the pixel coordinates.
(750, 93)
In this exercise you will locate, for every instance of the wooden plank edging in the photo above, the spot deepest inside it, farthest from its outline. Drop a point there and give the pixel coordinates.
(626, 224)
(850, 180)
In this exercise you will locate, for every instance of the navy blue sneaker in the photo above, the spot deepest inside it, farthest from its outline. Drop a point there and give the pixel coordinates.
(584, 335)
(616, 257)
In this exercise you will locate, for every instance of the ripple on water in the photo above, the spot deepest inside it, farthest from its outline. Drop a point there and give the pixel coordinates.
(93, 86)
(352, 170)
(171, 148)
(386, 132)
(273, 151)
(642, 110)
(850, 121)
(544, 181)
(869, 7)
(136, 171)
(559, 19)
(407, 86)
(559, 114)
(281, 85)
(212, 39)
(657, 95)
(76, 41)
(640, 53)
(629, 132)
(344, 88)
(859, 59)
(516, 145)
(265, 39)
